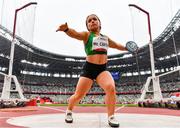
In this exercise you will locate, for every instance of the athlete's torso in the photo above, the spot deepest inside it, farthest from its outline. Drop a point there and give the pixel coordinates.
(96, 49)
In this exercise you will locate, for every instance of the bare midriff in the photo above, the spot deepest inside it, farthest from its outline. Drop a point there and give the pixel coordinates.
(97, 58)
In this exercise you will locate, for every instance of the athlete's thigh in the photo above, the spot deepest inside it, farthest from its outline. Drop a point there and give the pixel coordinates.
(105, 80)
(83, 85)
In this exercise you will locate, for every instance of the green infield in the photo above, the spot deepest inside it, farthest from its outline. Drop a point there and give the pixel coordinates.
(92, 105)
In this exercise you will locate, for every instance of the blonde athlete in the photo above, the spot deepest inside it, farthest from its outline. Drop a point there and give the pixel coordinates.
(96, 46)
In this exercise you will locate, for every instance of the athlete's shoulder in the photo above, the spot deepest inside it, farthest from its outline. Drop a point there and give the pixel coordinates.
(86, 35)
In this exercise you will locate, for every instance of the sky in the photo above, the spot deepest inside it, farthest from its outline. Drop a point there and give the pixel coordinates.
(119, 22)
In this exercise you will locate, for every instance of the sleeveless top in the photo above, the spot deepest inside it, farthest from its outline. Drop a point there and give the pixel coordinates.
(96, 44)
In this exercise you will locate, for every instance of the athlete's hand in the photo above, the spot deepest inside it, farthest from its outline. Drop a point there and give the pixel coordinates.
(62, 27)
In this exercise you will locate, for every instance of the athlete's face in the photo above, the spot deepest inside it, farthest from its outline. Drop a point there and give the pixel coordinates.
(93, 23)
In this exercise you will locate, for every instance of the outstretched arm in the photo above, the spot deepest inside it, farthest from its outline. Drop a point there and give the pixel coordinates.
(113, 44)
(73, 33)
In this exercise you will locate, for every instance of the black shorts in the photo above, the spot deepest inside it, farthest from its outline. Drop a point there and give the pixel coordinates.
(91, 70)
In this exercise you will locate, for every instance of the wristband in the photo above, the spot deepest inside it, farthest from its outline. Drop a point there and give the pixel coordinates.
(66, 29)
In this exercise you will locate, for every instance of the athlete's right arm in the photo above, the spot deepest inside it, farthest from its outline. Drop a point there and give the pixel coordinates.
(73, 33)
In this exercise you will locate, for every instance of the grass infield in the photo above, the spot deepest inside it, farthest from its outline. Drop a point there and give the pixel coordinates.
(92, 105)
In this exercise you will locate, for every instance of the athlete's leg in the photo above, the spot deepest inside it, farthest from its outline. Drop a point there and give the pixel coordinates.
(83, 86)
(106, 82)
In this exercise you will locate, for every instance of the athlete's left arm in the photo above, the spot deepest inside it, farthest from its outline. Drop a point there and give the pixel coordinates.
(113, 44)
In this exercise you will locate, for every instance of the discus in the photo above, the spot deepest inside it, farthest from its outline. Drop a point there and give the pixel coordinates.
(131, 46)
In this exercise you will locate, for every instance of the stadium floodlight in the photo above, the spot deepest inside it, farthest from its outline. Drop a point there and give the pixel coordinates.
(156, 86)
(7, 80)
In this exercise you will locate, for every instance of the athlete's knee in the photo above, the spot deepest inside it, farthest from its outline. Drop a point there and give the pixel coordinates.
(110, 89)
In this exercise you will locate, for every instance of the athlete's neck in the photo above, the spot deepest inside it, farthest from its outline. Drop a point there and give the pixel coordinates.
(97, 33)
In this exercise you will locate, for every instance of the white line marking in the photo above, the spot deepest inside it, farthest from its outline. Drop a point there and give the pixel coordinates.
(119, 108)
(53, 109)
(5, 117)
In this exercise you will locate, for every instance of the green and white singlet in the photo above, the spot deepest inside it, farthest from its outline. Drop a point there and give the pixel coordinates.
(96, 44)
